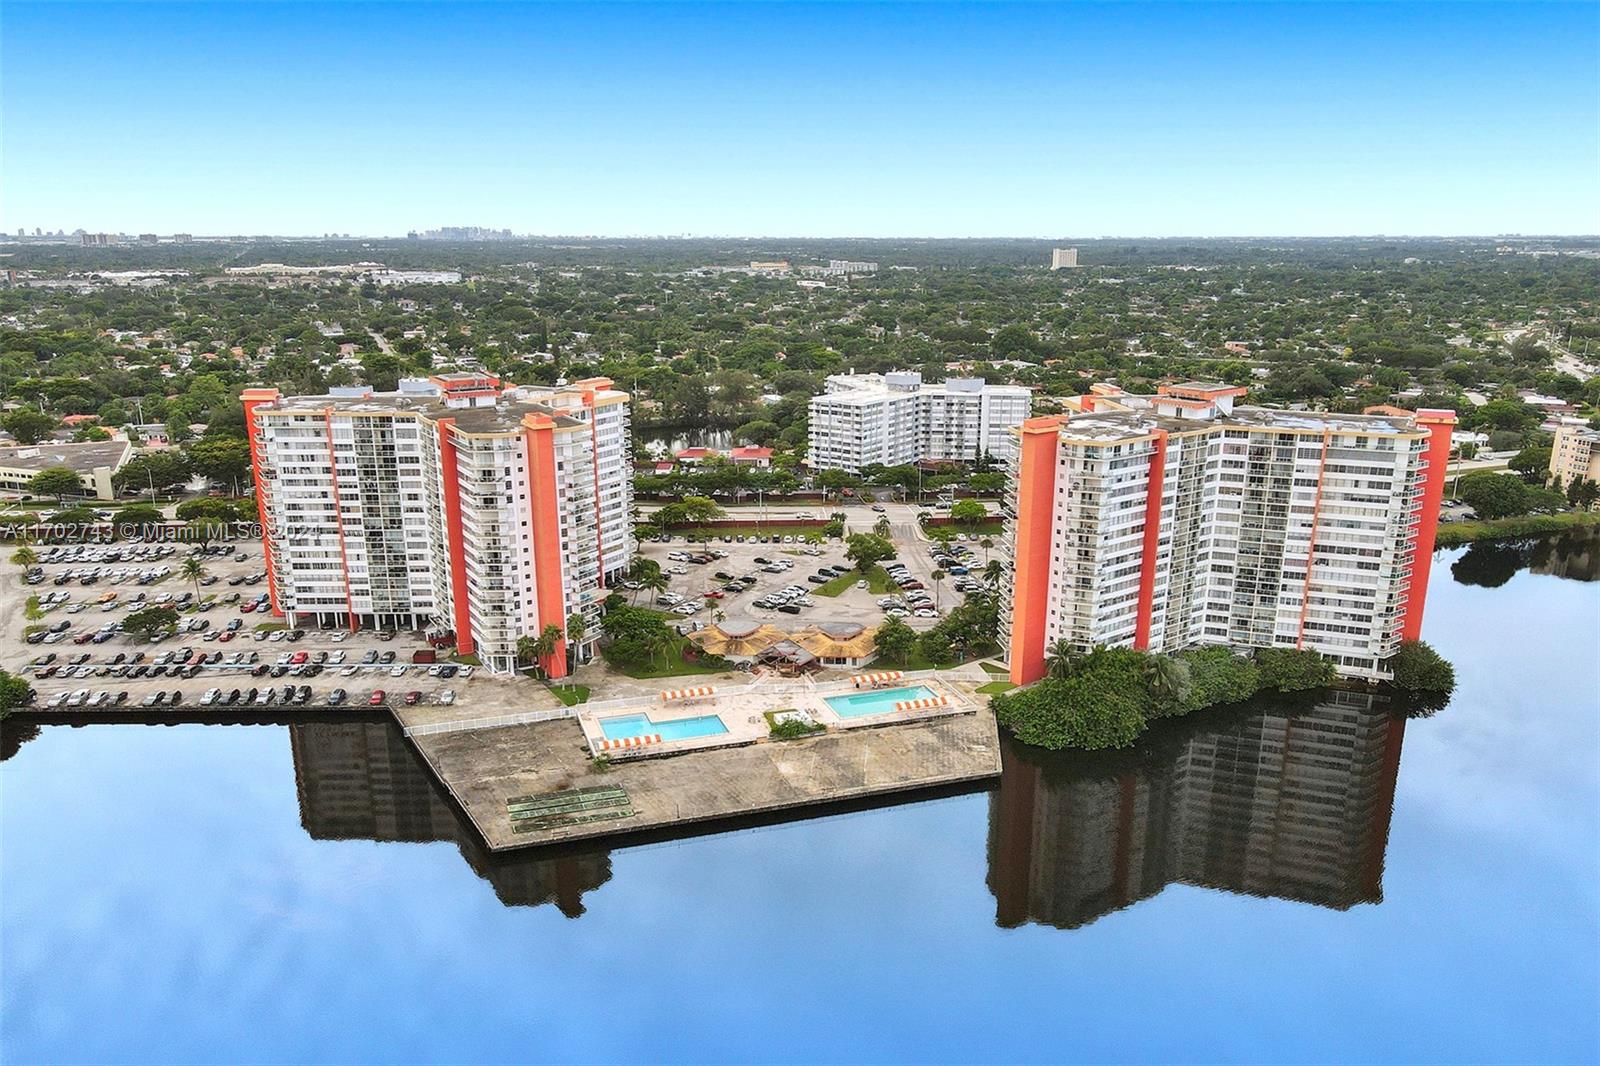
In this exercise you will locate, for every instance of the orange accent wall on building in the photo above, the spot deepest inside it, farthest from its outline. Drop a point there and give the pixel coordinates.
(539, 432)
(449, 469)
(1030, 597)
(251, 399)
(1152, 543)
(1436, 460)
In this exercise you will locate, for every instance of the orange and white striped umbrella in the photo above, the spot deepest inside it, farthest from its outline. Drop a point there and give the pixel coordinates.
(921, 704)
(698, 692)
(876, 678)
(630, 742)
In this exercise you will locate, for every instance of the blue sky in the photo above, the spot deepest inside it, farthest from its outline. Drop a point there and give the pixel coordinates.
(807, 120)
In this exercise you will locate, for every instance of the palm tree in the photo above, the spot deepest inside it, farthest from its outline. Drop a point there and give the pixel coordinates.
(1060, 658)
(657, 583)
(882, 526)
(525, 649)
(659, 642)
(194, 570)
(986, 543)
(993, 574)
(1168, 678)
(545, 646)
(577, 628)
(25, 557)
(937, 576)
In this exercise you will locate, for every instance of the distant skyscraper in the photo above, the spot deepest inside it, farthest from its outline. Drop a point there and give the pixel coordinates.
(1063, 258)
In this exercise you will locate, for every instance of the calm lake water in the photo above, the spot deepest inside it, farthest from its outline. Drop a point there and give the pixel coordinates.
(1308, 883)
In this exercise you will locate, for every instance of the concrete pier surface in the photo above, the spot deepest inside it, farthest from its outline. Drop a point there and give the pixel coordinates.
(529, 785)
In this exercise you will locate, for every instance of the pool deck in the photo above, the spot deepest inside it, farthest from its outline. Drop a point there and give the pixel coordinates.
(743, 712)
(487, 769)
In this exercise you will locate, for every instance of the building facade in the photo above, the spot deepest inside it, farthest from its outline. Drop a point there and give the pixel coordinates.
(895, 419)
(1575, 455)
(1063, 258)
(452, 504)
(1170, 521)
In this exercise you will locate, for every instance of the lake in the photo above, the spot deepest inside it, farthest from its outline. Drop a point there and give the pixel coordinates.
(1316, 881)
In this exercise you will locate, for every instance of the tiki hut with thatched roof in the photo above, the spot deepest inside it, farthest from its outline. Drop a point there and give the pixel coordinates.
(739, 640)
(839, 643)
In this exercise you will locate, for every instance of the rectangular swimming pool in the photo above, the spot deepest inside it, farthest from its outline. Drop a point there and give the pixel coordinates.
(879, 701)
(640, 725)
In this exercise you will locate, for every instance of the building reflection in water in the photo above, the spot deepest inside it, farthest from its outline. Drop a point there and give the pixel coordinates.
(1574, 555)
(364, 781)
(1292, 804)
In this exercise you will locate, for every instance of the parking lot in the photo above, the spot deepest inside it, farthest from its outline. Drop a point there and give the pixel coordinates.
(778, 582)
(227, 652)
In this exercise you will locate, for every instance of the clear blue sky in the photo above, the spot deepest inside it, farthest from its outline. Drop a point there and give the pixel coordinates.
(827, 120)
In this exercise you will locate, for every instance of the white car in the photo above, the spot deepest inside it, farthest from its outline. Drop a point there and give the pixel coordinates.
(466, 672)
(336, 658)
(78, 698)
(349, 671)
(397, 670)
(447, 697)
(57, 700)
(339, 638)
(212, 696)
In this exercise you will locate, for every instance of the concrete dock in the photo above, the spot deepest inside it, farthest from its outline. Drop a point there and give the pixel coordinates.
(530, 785)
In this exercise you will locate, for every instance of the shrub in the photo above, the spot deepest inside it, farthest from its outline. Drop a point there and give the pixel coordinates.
(1216, 675)
(1293, 669)
(1420, 669)
(1077, 712)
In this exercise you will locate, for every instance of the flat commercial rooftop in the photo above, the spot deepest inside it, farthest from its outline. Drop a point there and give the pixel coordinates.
(528, 785)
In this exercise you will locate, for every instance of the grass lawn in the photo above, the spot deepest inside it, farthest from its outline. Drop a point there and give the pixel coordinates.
(994, 688)
(570, 695)
(917, 661)
(269, 627)
(466, 660)
(995, 668)
(878, 580)
(983, 529)
(672, 665)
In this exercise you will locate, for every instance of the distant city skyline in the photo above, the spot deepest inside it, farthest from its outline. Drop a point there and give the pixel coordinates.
(938, 120)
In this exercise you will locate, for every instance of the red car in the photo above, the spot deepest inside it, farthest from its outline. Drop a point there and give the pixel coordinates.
(246, 608)
(413, 697)
(377, 697)
(227, 635)
(297, 658)
(712, 595)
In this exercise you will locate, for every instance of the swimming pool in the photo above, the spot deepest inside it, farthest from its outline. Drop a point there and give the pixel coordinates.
(640, 725)
(880, 701)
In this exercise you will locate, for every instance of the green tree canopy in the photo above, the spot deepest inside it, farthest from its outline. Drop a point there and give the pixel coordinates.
(57, 481)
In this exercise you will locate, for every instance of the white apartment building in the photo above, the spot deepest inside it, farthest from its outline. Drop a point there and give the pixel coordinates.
(452, 504)
(1063, 258)
(1169, 521)
(895, 419)
(1575, 455)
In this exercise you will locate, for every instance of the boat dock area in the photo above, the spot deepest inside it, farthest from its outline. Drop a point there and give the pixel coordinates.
(535, 783)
